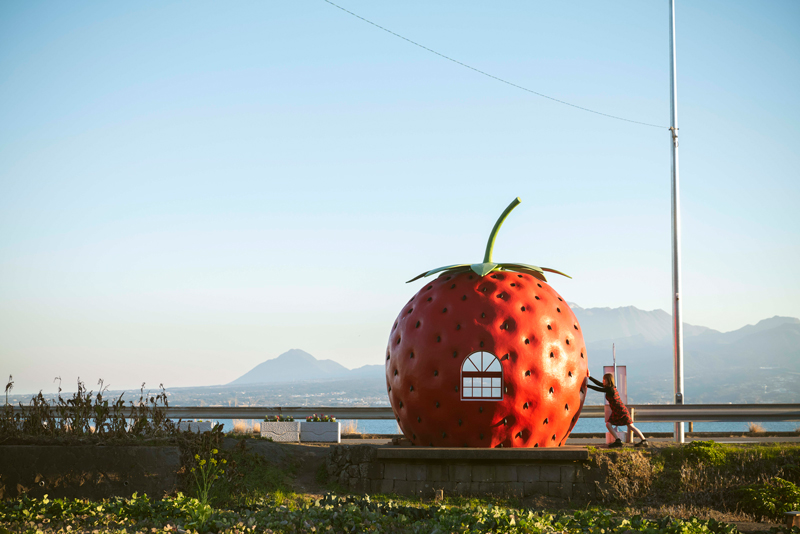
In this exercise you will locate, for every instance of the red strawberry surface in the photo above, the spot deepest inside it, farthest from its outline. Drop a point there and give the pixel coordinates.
(487, 361)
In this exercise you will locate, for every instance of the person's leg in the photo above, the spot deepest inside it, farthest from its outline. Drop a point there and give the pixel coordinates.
(611, 429)
(636, 431)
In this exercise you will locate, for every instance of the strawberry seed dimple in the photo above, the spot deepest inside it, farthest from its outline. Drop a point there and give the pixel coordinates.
(480, 409)
(540, 285)
(436, 373)
(395, 372)
(438, 339)
(575, 326)
(411, 388)
(410, 310)
(458, 327)
(552, 355)
(483, 316)
(444, 310)
(525, 406)
(481, 436)
(566, 407)
(581, 355)
(456, 388)
(551, 390)
(545, 421)
(570, 373)
(527, 341)
(537, 297)
(412, 355)
(398, 340)
(430, 299)
(549, 327)
(460, 422)
(527, 373)
(455, 354)
(437, 404)
(523, 308)
(567, 341)
(419, 419)
(481, 343)
(453, 286)
(463, 297)
(513, 285)
(401, 404)
(417, 325)
(558, 310)
(559, 298)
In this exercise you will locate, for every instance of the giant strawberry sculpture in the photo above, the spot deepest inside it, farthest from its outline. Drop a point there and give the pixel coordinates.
(487, 355)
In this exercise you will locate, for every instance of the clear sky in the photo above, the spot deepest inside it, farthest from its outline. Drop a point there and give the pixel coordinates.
(188, 189)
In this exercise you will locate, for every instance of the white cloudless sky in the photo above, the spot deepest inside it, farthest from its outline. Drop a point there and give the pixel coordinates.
(188, 189)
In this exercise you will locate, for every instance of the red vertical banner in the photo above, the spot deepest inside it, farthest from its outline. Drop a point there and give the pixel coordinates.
(622, 387)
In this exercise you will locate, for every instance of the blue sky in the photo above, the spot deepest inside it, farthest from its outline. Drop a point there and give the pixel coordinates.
(187, 190)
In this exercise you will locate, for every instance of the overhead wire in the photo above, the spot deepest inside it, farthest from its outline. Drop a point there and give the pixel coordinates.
(492, 76)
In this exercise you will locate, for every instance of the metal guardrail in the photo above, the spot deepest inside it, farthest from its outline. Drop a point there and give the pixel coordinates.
(645, 413)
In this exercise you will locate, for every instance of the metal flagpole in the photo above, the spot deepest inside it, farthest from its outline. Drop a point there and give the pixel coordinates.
(677, 322)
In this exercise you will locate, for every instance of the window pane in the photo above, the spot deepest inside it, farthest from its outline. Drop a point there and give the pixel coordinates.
(487, 392)
(494, 366)
(467, 392)
(487, 382)
(467, 382)
(495, 382)
(496, 392)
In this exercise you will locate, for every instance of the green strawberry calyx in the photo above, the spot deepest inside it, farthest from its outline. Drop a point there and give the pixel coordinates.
(482, 269)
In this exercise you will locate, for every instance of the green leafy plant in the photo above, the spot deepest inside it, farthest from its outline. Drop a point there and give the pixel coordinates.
(771, 499)
(709, 452)
(206, 471)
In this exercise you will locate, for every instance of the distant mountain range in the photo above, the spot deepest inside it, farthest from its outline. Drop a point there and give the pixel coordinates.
(285, 367)
(756, 363)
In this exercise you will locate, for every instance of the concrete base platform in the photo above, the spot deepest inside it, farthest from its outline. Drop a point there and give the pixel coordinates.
(570, 454)
(563, 472)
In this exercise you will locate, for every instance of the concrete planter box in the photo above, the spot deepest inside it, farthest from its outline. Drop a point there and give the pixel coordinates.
(195, 426)
(330, 432)
(281, 430)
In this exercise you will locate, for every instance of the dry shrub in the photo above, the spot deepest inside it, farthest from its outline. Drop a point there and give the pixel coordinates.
(755, 428)
(628, 475)
(240, 426)
(350, 426)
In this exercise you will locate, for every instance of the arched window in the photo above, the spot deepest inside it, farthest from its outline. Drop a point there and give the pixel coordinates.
(481, 377)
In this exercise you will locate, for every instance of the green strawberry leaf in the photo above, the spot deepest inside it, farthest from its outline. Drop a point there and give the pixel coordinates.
(440, 269)
(557, 272)
(482, 269)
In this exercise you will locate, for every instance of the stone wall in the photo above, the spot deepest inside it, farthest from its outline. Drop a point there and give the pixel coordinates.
(87, 471)
(419, 471)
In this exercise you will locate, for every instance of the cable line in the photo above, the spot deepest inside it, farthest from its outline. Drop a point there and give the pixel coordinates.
(512, 84)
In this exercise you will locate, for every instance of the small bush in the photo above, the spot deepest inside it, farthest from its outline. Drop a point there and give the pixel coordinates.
(771, 499)
(755, 428)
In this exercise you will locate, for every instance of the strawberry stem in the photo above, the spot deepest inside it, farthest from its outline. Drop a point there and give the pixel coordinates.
(487, 258)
